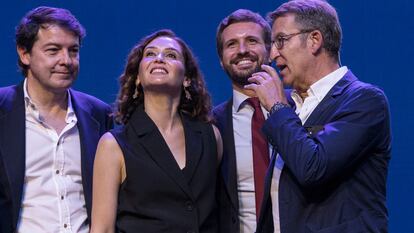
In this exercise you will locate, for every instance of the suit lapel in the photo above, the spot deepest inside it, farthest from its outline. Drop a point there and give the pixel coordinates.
(329, 101)
(13, 145)
(228, 163)
(88, 129)
(156, 147)
(193, 145)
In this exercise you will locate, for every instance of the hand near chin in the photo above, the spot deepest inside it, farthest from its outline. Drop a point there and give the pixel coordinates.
(267, 86)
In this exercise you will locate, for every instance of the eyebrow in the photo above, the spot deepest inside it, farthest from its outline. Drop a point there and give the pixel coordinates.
(280, 34)
(229, 41)
(247, 37)
(253, 36)
(59, 45)
(168, 49)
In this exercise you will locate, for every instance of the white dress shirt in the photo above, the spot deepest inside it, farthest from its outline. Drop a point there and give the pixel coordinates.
(316, 93)
(53, 198)
(242, 117)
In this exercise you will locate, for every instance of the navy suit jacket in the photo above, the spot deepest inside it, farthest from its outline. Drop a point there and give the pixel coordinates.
(93, 120)
(334, 177)
(227, 197)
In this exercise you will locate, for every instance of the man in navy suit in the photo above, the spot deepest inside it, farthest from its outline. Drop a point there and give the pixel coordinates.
(334, 139)
(49, 132)
(243, 45)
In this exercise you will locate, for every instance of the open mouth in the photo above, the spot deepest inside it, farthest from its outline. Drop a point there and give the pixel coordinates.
(158, 70)
(281, 67)
(244, 62)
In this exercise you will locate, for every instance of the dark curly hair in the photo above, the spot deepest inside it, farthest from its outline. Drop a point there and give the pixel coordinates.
(198, 107)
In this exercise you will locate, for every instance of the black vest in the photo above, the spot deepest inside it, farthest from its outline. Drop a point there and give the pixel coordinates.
(156, 195)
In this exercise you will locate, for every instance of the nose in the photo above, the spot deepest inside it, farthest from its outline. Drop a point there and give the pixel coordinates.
(65, 58)
(274, 52)
(242, 48)
(160, 57)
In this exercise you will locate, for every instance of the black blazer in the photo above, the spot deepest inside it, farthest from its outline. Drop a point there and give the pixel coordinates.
(227, 195)
(93, 121)
(334, 177)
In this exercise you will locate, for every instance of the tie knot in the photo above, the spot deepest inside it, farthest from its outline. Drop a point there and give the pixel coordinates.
(254, 102)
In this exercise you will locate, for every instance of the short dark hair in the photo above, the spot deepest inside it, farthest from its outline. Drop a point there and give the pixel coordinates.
(198, 107)
(314, 15)
(41, 17)
(242, 15)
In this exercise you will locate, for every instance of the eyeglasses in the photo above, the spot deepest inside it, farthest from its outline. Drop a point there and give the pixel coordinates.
(280, 40)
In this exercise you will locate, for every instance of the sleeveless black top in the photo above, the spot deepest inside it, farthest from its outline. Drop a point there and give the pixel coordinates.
(157, 196)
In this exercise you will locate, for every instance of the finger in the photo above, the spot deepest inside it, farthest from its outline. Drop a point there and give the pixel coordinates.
(263, 74)
(270, 70)
(256, 79)
(252, 87)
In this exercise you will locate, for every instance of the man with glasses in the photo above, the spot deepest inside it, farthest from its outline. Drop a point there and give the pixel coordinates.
(334, 140)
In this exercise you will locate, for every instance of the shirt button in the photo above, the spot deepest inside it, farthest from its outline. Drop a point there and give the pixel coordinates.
(189, 206)
(233, 219)
(57, 171)
(62, 197)
(65, 225)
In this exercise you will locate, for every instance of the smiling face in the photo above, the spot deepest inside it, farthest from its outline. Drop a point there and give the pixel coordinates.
(162, 66)
(244, 51)
(53, 62)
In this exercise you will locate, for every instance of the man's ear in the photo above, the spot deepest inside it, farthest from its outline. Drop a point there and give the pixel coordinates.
(315, 41)
(24, 55)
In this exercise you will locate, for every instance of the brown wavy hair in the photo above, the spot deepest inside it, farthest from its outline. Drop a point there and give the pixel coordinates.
(198, 107)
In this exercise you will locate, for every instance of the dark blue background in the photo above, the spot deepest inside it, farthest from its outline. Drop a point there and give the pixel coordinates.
(377, 47)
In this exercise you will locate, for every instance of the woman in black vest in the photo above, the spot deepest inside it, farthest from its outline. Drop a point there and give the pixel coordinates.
(157, 173)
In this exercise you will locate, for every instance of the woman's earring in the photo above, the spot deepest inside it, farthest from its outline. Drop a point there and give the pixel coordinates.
(187, 93)
(135, 93)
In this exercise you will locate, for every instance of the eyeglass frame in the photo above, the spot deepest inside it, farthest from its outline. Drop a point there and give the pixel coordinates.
(281, 39)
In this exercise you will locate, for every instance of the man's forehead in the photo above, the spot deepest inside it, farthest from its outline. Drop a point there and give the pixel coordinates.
(54, 31)
(48, 27)
(284, 23)
(242, 29)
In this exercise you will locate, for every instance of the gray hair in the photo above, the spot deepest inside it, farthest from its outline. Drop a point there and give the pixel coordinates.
(314, 15)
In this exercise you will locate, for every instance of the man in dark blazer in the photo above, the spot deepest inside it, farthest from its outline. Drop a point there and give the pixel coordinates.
(49, 132)
(243, 45)
(335, 140)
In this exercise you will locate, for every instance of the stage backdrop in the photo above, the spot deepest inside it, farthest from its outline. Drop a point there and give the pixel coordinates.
(377, 47)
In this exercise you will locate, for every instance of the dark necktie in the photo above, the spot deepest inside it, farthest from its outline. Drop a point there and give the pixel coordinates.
(260, 152)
